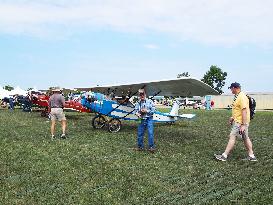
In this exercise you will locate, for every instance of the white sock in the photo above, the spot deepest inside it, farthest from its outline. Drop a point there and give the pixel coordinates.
(224, 155)
(252, 155)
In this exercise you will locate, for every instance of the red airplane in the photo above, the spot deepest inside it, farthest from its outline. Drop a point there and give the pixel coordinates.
(75, 104)
(41, 100)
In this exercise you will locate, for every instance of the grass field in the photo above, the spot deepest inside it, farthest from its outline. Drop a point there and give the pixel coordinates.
(96, 167)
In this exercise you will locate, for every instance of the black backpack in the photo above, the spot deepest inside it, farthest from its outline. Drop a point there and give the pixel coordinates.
(252, 106)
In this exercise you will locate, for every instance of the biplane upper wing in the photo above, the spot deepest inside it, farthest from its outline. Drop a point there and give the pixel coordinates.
(176, 87)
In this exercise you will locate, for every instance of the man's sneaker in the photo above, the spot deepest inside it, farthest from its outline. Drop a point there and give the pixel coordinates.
(63, 136)
(253, 159)
(220, 157)
(53, 137)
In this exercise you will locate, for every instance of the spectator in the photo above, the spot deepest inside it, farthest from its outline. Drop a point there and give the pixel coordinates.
(144, 110)
(240, 122)
(56, 105)
(11, 103)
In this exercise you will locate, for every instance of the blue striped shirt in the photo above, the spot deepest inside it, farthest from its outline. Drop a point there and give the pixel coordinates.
(147, 104)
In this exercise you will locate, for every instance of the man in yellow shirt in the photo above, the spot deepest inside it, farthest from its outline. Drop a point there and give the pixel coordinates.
(240, 122)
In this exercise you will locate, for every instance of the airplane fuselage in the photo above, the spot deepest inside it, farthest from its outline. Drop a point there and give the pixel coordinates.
(113, 109)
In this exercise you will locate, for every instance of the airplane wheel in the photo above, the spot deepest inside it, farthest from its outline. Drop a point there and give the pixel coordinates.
(98, 122)
(114, 125)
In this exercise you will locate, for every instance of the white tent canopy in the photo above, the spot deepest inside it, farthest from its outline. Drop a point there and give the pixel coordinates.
(18, 91)
(4, 93)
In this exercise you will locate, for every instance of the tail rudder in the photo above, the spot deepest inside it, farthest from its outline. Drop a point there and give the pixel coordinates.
(175, 108)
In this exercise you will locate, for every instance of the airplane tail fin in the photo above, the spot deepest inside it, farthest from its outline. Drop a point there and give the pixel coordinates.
(174, 112)
(175, 108)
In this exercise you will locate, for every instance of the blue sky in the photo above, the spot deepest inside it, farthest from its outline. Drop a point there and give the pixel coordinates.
(101, 42)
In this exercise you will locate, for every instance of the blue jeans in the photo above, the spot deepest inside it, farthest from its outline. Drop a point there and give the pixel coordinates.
(146, 123)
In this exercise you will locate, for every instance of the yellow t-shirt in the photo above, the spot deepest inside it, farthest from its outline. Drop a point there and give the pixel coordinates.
(240, 102)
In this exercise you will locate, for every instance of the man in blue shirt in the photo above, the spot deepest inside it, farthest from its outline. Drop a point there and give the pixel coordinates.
(145, 109)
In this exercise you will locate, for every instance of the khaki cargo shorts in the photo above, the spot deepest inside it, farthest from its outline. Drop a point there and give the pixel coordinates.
(235, 131)
(57, 114)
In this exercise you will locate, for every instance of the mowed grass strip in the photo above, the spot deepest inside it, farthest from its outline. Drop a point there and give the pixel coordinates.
(97, 167)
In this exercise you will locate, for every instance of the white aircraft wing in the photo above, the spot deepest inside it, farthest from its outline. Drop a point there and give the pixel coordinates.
(175, 87)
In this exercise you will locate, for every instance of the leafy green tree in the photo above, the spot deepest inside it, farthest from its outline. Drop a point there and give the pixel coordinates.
(215, 77)
(184, 74)
(8, 87)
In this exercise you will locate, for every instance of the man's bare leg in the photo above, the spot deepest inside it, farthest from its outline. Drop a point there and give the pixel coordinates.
(230, 145)
(248, 145)
(52, 129)
(63, 126)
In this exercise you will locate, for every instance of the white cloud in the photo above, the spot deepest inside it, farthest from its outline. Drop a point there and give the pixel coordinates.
(220, 22)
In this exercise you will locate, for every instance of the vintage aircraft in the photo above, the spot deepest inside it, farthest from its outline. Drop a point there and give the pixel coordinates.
(112, 103)
(41, 100)
(75, 104)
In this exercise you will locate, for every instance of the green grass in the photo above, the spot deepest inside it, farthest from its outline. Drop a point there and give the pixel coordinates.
(96, 167)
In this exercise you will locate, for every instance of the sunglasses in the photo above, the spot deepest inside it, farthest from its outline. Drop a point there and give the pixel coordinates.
(141, 94)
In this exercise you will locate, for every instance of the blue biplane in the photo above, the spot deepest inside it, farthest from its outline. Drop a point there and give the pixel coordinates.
(112, 103)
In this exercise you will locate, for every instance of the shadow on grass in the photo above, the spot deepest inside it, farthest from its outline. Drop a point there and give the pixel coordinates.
(74, 117)
(178, 133)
